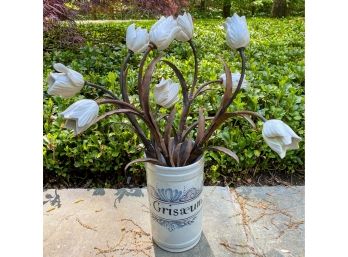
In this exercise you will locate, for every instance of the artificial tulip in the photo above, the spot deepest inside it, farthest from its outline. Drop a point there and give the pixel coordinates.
(137, 40)
(66, 83)
(186, 27)
(166, 93)
(81, 115)
(280, 137)
(237, 34)
(163, 32)
(235, 81)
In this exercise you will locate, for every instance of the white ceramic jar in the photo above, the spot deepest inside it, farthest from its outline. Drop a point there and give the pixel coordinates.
(175, 201)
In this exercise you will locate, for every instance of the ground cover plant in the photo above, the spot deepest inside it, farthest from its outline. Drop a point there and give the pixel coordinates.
(275, 75)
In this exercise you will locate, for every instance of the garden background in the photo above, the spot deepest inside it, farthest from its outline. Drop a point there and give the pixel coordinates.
(275, 74)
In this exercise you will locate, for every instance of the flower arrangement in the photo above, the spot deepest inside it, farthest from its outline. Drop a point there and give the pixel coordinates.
(169, 146)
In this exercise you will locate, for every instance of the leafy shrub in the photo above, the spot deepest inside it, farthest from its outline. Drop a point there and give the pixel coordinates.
(275, 72)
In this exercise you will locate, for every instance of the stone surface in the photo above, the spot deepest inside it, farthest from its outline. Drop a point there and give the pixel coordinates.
(275, 218)
(247, 221)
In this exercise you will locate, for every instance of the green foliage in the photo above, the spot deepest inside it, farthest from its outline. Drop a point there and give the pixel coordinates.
(275, 72)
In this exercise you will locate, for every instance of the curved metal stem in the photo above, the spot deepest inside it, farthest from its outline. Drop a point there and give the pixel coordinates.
(132, 119)
(199, 90)
(101, 88)
(132, 108)
(196, 67)
(193, 125)
(123, 81)
(242, 75)
(214, 126)
(250, 113)
(140, 72)
(119, 103)
(222, 114)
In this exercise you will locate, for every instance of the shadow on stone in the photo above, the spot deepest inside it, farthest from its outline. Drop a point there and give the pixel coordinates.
(120, 193)
(97, 191)
(53, 200)
(201, 249)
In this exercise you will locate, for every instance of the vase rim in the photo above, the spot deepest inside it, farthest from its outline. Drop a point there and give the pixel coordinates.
(180, 168)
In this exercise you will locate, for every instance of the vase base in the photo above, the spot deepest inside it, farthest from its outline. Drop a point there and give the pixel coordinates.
(178, 248)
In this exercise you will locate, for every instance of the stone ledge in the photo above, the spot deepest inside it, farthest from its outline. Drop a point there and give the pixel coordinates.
(247, 221)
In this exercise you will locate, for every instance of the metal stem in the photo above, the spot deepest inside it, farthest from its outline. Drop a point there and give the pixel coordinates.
(140, 72)
(199, 90)
(102, 89)
(132, 119)
(251, 113)
(241, 53)
(196, 67)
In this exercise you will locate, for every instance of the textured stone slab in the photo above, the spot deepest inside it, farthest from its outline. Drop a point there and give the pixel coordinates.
(108, 222)
(274, 217)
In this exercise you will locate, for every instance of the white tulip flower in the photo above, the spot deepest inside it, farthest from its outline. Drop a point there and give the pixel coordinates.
(138, 39)
(81, 115)
(186, 27)
(163, 32)
(166, 93)
(280, 137)
(66, 84)
(235, 81)
(237, 34)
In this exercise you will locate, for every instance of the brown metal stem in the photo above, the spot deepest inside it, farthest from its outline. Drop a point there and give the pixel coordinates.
(218, 120)
(196, 67)
(250, 113)
(199, 90)
(132, 119)
(140, 72)
(241, 53)
(119, 103)
(101, 88)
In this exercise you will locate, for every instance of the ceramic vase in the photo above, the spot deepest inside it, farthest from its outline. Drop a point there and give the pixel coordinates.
(175, 202)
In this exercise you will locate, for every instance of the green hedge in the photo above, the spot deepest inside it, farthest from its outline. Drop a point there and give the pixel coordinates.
(275, 72)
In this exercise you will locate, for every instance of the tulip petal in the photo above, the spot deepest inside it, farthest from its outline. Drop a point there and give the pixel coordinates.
(286, 139)
(71, 124)
(294, 144)
(52, 78)
(60, 67)
(276, 145)
(131, 34)
(76, 78)
(235, 81)
(61, 85)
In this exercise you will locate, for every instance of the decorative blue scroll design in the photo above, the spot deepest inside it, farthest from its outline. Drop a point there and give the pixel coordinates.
(174, 196)
(171, 225)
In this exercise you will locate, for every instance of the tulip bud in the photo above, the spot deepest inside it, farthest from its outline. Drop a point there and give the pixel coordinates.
(280, 137)
(186, 27)
(66, 84)
(166, 93)
(163, 32)
(137, 40)
(80, 115)
(235, 81)
(237, 34)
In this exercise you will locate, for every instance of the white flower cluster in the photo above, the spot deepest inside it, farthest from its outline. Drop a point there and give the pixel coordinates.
(83, 113)
(162, 33)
